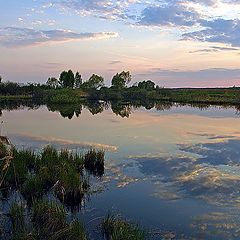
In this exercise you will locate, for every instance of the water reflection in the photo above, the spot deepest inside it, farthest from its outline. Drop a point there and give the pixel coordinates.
(40, 141)
(212, 173)
(173, 167)
(121, 109)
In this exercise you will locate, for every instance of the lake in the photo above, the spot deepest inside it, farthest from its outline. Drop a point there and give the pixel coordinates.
(174, 169)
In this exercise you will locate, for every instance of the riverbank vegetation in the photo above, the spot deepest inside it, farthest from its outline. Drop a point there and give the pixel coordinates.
(70, 88)
(114, 228)
(44, 190)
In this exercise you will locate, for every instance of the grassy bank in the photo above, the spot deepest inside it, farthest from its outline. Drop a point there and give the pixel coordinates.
(211, 96)
(15, 97)
(63, 96)
(205, 95)
(184, 95)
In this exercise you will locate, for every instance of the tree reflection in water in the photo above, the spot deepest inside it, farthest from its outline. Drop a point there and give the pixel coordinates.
(120, 108)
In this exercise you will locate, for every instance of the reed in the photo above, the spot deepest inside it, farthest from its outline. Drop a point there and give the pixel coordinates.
(32, 188)
(72, 186)
(74, 231)
(114, 228)
(62, 176)
(16, 214)
(48, 217)
(94, 161)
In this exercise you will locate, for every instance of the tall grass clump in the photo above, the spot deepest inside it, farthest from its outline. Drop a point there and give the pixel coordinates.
(94, 162)
(50, 220)
(48, 217)
(71, 186)
(19, 223)
(32, 188)
(117, 229)
(74, 231)
(19, 167)
(61, 171)
(16, 214)
(62, 177)
(49, 158)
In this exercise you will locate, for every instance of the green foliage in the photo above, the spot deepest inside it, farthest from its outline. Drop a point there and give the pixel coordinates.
(148, 85)
(14, 89)
(63, 172)
(19, 167)
(67, 79)
(121, 109)
(63, 96)
(94, 161)
(49, 181)
(94, 107)
(52, 82)
(74, 231)
(66, 110)
(77, 80)
(48, 217)
(32, 187)
(94, 89)
(120, 80)
(50, 220)
(117, 229)
(16, 214)
(71, 186)
(94, 82)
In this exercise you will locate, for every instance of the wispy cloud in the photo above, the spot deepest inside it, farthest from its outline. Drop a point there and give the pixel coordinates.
(108, 9)
(186, 16)
(114, 62)
(218, 30)
(62, 143)
(21, 37)
(215, 49)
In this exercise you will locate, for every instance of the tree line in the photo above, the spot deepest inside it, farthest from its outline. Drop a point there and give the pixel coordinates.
(62, 89)
(68, 79)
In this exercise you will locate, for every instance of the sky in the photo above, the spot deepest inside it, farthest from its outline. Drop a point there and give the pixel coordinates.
(175, 43)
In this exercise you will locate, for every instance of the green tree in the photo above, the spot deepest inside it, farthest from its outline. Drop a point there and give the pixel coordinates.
(120, 80)
(148, 85)
(94, 82)
(70, 79)
(0, 78)
(78, 80)
(63, 78)
(67, 79)
(52, 82)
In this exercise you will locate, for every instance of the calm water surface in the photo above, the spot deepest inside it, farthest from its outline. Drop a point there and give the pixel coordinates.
(175, 171)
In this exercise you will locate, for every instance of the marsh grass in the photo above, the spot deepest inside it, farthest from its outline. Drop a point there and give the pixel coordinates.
(50, 182)
(94, 162)
(74, 231)
(48, 217)
(32, 188)
(50, 221)
(22, 163)
(63, 171)
(114, 228)
(20, 228)
(16, 214)
(71, 186)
